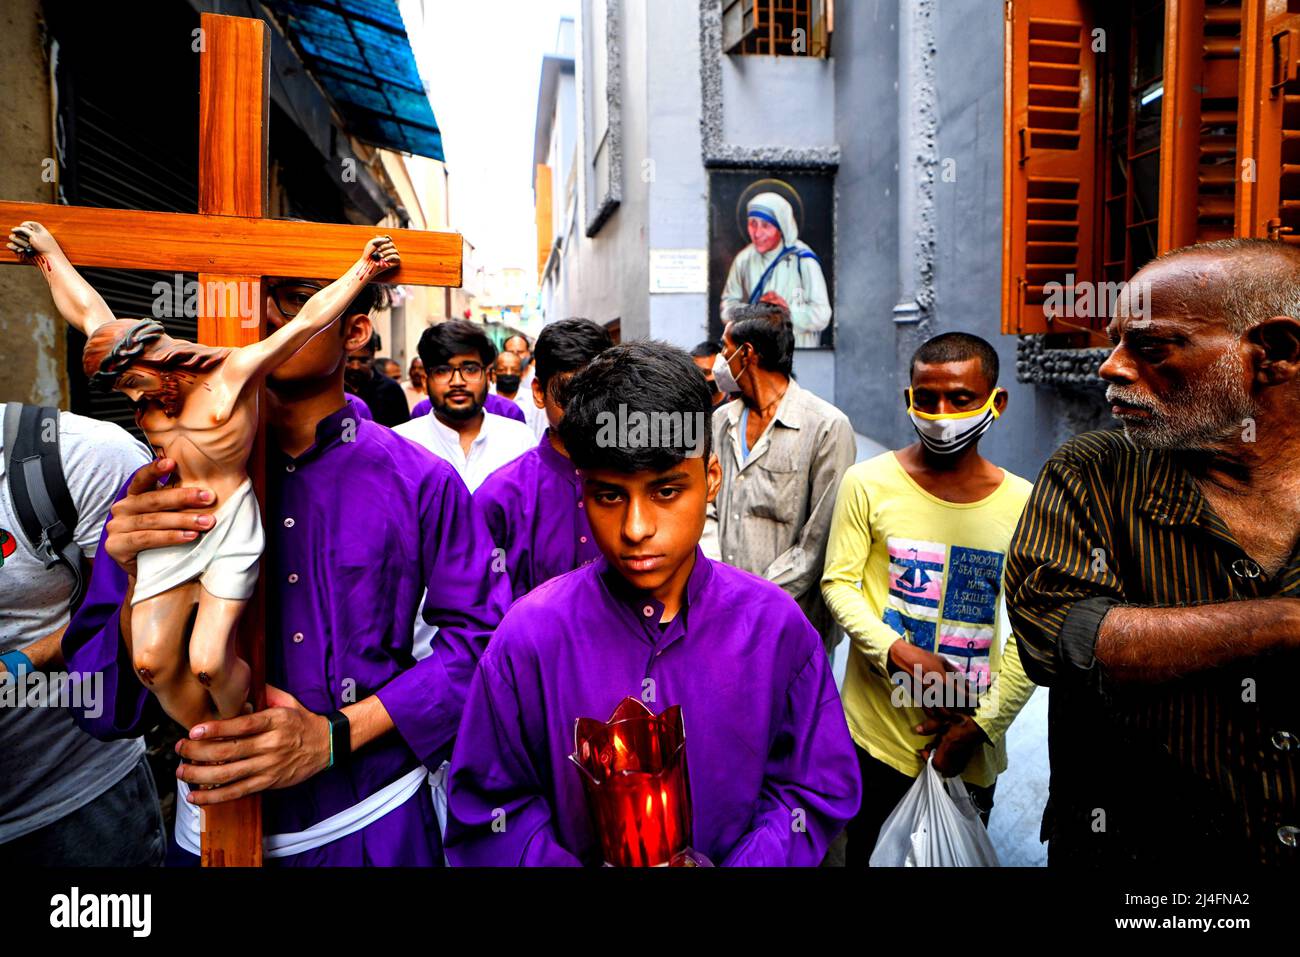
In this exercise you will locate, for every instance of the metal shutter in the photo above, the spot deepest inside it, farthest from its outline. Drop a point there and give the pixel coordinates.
(128, 121)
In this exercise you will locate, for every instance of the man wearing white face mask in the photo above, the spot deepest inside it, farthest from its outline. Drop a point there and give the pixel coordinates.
(914, 576)
(783, 452)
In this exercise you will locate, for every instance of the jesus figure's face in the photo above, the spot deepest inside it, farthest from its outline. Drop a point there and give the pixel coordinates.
(145, 387)
(137, 384)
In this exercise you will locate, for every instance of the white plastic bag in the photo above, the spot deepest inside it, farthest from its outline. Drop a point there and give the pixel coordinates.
(935, 825)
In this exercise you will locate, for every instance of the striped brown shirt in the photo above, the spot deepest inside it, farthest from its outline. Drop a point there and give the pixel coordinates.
(1203, 768)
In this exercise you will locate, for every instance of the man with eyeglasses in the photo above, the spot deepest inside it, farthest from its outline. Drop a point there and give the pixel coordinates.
(456, 356)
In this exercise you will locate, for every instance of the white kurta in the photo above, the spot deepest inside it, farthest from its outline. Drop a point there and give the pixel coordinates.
(499, 440)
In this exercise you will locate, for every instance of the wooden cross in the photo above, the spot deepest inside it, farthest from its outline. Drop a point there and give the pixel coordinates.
(229, 241)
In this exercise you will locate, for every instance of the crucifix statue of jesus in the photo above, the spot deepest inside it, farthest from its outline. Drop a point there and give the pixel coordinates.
(231, 243)
(198, 406)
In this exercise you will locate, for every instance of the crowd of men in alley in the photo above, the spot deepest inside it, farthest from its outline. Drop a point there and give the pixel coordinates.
(459, 564)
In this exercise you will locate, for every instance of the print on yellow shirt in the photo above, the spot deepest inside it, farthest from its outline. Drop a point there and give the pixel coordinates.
(953, 592)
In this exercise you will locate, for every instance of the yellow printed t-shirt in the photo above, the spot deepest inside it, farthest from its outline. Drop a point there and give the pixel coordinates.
(902, 563)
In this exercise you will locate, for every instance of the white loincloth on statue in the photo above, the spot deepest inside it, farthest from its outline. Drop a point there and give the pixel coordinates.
(224, 558)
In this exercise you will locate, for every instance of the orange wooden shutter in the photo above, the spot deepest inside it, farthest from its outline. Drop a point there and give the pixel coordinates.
(1199, 171)
(1270, 206)
(1049, 166)
(544, 214)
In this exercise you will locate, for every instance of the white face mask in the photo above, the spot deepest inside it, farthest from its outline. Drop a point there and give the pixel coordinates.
(722, 374)
(950, 434)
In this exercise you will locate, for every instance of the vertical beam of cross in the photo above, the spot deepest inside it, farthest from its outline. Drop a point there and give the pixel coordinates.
(234, 113)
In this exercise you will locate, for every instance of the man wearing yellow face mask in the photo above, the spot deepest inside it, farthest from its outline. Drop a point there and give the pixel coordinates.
(913, 574)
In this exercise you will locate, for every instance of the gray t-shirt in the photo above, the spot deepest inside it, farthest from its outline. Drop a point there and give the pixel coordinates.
(49, 767)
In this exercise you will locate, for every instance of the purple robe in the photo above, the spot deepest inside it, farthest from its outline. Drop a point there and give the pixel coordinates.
(363, 410)
(534, 510)
(344, 580)
(493, 403)
(773, 772)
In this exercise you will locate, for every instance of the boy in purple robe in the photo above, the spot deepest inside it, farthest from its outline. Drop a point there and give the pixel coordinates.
(362, 702)
(533, 506)
(773, 775)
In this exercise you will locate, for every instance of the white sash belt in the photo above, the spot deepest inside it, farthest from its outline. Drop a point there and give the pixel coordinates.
(349, 821)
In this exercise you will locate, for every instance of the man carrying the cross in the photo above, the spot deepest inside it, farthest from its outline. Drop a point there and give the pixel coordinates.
(356, 709)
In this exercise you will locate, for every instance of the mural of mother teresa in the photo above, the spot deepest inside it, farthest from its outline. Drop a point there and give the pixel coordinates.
(777, 267)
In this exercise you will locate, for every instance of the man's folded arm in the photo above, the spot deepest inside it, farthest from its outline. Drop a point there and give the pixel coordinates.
(1151, 645)
(1067, 605)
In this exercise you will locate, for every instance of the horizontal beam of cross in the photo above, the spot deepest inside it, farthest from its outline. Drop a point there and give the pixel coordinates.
(193, 242)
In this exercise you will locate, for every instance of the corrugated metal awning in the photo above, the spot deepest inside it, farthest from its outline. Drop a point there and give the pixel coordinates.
(359, 53)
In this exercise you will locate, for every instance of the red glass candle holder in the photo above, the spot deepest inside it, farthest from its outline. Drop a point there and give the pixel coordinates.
(633, 767)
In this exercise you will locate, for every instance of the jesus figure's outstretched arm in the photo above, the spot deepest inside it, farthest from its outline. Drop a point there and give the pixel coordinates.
(75, 299)
(319, 312)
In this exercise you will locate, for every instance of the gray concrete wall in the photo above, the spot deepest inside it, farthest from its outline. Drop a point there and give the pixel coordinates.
(607, 275)
(967, 216)
(865, 60)
(778, 101)
(678, 210)
(566, 134)
(968, 267)
(33, 360)
(849, 102)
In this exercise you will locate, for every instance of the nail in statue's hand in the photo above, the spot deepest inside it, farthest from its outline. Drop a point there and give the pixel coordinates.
(381, 253)
(30, 238)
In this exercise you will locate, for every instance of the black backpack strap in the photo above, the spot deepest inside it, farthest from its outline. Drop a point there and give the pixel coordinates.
(34, 471)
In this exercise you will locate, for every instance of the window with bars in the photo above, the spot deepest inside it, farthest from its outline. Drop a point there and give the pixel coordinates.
(1134, 129)
(1049, 206)
(1132, 98)
(778, 27)
(1269, 200)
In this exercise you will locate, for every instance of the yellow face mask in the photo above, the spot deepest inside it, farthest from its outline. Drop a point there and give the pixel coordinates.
(986, 407)
(952, 432)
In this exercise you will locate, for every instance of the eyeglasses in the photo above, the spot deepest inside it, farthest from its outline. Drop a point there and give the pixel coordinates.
(469, 372)
(290, 297)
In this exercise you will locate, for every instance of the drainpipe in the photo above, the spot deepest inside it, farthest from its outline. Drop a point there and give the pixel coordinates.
(917, 148)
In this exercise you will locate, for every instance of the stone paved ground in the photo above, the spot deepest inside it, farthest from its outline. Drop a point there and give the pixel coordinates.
(1022, 789)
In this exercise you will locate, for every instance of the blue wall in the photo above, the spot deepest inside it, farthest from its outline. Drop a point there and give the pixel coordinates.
(872, 352)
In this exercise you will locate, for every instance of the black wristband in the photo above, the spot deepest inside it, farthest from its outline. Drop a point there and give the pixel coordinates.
(340, 737)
